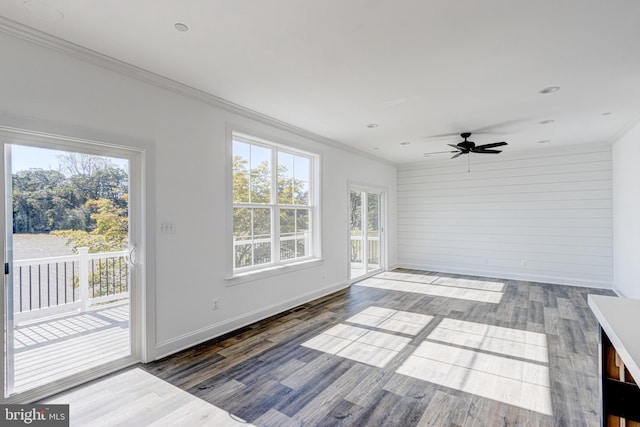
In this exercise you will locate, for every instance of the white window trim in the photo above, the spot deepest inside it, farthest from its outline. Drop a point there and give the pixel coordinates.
(235, 277)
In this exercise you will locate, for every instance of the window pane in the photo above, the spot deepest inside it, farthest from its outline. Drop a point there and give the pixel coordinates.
(240, 187)
(262, 223)
(243, 255)
(302, 246)
(301, 193)
(301, 168)
(260, 186)
(285, 165)
(355, 209)
(302, 221)
(241, 223)
(287, 221)
(241, 156)
(240, 172)
(373, 214)
(260, 174)
(287, 248)
(285, 178)
(262, 253)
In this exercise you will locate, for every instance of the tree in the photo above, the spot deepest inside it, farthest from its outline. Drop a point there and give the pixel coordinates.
(45, 200)
(82, 164)
(254, 186)
(110, 233)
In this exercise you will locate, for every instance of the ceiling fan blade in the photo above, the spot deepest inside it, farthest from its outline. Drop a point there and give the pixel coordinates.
(442, 135)
(495, 144)
(454, 146)
(441, 152)
(487, 151)
(458, 155)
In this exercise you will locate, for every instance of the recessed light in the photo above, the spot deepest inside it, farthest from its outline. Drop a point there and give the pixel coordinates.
(372, 125)
(550, 89)
(181, 27)
(606, 114)
(546, 122)
(405, 143)
(544, 141)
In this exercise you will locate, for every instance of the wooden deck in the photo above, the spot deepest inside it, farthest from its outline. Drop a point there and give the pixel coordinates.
(52, 348)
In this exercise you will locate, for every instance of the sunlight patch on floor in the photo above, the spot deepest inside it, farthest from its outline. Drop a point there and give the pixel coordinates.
(502, 364)
(372, 347)
(137, 397)
(467, 289)
(391, 320)
(495, 339)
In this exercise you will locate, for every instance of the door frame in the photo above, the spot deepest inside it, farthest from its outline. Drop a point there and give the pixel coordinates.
(139, 294)
(382, 191)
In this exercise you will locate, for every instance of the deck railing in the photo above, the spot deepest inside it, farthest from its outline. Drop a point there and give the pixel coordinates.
(373, 249)
(47, 286)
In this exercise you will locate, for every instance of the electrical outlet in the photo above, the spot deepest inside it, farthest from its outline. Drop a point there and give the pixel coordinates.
(168, 228)
(523, 262)
(216, 304)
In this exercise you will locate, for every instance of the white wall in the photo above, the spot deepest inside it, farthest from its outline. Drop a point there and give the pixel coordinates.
(550, 208)
(51, 90)
(626, 214)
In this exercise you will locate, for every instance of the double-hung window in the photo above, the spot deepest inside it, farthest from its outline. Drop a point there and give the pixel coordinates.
(274, 204)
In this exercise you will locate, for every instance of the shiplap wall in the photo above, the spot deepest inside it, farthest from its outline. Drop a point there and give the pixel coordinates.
(540, 215)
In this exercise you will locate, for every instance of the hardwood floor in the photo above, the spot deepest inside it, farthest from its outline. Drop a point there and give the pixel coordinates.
(407, 348)
(287, 370)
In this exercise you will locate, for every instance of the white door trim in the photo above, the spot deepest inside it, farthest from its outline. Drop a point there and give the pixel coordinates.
(142, 296)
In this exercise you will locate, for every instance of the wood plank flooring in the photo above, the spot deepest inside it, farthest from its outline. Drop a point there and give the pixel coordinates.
(406, 348)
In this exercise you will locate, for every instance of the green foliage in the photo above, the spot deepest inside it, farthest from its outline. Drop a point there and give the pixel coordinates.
(110, 232)
(253, 185)
(45, 200)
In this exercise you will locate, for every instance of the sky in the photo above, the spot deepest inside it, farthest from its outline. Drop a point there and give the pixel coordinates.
(25, 158)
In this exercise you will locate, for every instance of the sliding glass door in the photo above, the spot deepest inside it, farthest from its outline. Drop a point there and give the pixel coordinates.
(366, 232)
(70, 280)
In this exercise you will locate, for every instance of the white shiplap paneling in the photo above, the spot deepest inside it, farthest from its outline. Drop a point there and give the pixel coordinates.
(542, 215)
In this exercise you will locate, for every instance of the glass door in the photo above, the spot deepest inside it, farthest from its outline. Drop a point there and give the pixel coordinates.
(366, 232)
(68, 268)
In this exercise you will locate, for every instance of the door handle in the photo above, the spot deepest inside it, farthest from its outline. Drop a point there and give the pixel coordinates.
(132, 251)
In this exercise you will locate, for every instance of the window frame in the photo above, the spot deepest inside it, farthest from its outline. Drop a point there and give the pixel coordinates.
(276, 265)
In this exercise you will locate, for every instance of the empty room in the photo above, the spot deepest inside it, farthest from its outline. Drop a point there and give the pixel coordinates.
(336, 213)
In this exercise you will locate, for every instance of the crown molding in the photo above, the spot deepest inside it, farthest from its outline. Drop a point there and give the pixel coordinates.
(29, 34)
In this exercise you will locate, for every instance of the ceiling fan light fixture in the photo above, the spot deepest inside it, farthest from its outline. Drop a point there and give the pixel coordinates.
(550, 89)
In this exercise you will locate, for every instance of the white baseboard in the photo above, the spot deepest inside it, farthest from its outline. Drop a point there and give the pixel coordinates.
(555, 280)
(619, 293)
(168, 347)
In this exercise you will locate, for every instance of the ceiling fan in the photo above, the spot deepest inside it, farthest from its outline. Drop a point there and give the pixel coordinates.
(466, 147)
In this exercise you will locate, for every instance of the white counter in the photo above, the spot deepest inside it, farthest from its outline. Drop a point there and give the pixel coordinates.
(620, 320)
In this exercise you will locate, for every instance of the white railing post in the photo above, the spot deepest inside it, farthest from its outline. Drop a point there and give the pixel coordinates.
(83, 277)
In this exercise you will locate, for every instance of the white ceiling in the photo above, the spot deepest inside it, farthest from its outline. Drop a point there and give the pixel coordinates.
(417, 68)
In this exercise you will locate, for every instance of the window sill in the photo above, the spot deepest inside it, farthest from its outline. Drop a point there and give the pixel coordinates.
(251, 276)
